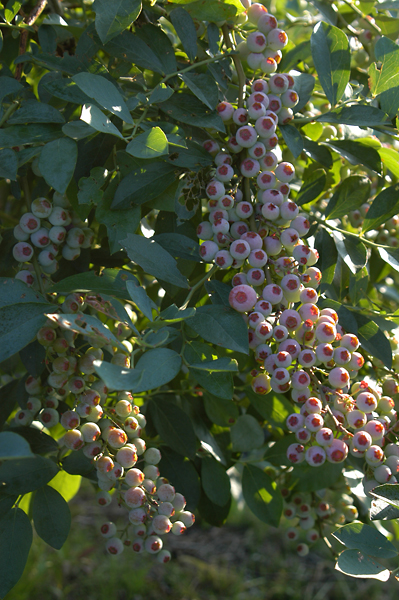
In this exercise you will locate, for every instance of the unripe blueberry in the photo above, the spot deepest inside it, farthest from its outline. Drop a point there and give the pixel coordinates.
(314, 422)
(41, 208)
(225, 111)
(277, 39)
(164, 556)
(224, 173)
(40, 238)
(261, 384)
(70, 419)
(108, 530)
(374, 455)
(23, 417)
(135, 497)
(289, 210)
(92, 449)
(256, 41)
(161, 524)
(255, 277)
(265, 127)
(20, 234)
(246, 136)
(295, 422)
(73, 439)
(153, 544)
(138, 545)
(366, 402)
(240, 116)
(375, 429)
(300, 380)
(208, 250)
(315, 456)
(166, 492)
(29, 223)
(326, 332)
(114, 546)
(242, 298)
(103, 498)
(324, 436)
(296, 453)
(70, 253)
(361, 440)
(152, 456)
(313, 405)
(22, 252)
(254, 60)
(249, 167)
(116, 438)
(140, 445)
(273, 293)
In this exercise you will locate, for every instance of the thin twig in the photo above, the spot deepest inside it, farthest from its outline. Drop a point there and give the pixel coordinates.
(34, 14)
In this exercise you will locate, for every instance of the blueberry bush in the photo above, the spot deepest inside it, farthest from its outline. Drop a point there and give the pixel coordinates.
(199, 264)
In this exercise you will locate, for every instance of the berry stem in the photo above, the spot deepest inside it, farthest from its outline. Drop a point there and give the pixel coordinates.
(237, 64)
(10, 110)
(363, 15)
(198, 285)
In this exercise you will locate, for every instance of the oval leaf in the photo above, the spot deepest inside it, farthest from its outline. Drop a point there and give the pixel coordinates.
(356, 564)
(215, 481)
(262, 495)
(15, 542)
(51, 516)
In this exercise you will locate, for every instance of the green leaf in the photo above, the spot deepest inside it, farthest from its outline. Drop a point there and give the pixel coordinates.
(113, 17)
(7, 501)
(357, 564)
(273, 407)
(185, 29)
(8, 164)
(153, 259)
(221, 325)
(328, 255)
(21, 135)
(77, 130)
(388, 492)
(39, 442)
(174, 427)
(118, 222)
(11, 9)
(387, 77)
(246, 434)
(67, 485)
(194, 157)
(111, 281)
(262, 495)
(390, 159)
(9, 85)
(33, 358)
(16, 299)
(305, 480)
(94, 117)
(33, 111)
(57, 163)
(358, 285)
(292, 138)
(319, 153)
(208, 10)
(24, 475)
(86, 325)
(357, 153)
(220, 383)
(155, 368)
(160, 93)
(143, 184)
(220, 411)
(304, 84)
(352, 251)
(359, 114)
(297, 54)
(15, 542)
(381, 511)
(390, 256)
(129, 47)
(184, 108)
(331, 57)
(156, 40)
(66, 89)
(383, 207)
(90, 187)
(150, 144)
(203, 86)
(13, 446)
(218, 291)
(181, 472)
(213, 513)
(78, 464)
(105, 93)
(141, 299)
(215, 481)
(179, 246)
(349, 195)
(365, 538)
(51, 516)
(312, 187)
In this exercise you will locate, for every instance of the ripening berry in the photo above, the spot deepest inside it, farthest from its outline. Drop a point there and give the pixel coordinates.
(265, 127)
(375, 429)
(295, 422)
(258, 150)
(166, 492)
(283, 358)
(249, 167)
(277, 39)
(114, 546)
(382, 474)
(315, 456)
(242, 298)
(255, 277)
(22, 252)
(73, 439)
(271, 212)
(104, 464)
(20, 235)
(134, 477)
(225, 112)
(302, 550)
(223, 259)
(70, 253)
(289, 237)
(313, 405)
(356, 419)
(240, 117)
(314, 422)
(23, 417)
(152, 456)
(341, 356)
(164, 556)
(153, 544)
(337, 451)
(337, 377)
(135, 497)
(273, 293)
(246, 136)
(296, 453)
(70, 419)
(161, 524)
(361, 441)
(324, 436)
(108, 529)
(261, 384)
(138, 516)
(303, 435)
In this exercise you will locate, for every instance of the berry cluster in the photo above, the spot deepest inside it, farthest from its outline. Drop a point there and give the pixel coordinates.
(49, 229)
(107, 426)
